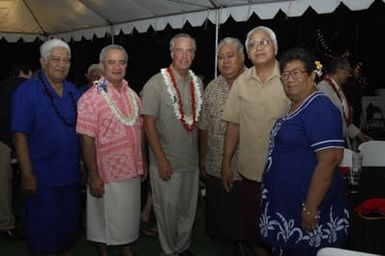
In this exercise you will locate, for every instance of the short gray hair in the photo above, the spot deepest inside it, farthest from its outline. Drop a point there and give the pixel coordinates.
(48, 46)
(112, 47)
(95, 66)
(231, 40)
(173, 40)
(267, 30)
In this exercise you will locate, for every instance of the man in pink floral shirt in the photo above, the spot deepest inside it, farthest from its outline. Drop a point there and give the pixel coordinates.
(110, 129)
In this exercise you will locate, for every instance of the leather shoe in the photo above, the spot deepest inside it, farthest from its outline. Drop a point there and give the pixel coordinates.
(186, 253)
(12, 234)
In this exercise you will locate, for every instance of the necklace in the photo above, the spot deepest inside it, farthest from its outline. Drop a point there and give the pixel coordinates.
(130, 120)
(188, 121)
(70, 123)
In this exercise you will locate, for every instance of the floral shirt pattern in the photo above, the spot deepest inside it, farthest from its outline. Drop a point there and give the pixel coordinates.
(214, 98)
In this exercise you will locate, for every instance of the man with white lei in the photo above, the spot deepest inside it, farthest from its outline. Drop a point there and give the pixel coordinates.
(172, 101)
(110, 129)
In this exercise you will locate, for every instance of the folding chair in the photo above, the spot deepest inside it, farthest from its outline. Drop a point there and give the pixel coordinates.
(372, 180)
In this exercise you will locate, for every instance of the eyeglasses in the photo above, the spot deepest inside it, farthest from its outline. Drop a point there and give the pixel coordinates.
(295, 74)
(259, 43)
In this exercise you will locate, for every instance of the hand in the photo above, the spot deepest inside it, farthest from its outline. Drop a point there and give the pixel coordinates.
(29, 184)
(164, 168)
(309, 219)
(96, 186)
(227, 175)
(362, 137)
(145, 171)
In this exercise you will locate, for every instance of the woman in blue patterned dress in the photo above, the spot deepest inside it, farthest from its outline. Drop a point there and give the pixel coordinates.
(303, 198)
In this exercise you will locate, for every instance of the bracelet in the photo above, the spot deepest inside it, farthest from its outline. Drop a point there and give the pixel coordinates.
(308, 212)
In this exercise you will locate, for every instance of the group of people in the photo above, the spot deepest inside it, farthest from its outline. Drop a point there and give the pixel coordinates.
(264, 138)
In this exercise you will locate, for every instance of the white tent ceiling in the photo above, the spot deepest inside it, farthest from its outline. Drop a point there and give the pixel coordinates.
(74, 19)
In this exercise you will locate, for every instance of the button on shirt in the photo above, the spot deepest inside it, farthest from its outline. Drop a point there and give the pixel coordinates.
(255, 106)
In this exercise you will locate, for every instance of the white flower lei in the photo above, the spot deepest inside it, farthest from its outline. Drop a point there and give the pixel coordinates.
(128, 121)
(174, 98)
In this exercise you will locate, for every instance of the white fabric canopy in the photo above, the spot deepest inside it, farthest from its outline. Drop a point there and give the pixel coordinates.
(74, 19)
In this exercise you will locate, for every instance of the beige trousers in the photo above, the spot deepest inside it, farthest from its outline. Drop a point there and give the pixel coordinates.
(175, 202)
(7, 220)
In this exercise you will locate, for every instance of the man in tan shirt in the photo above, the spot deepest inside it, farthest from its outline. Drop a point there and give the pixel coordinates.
(172, 101)
(255, 102)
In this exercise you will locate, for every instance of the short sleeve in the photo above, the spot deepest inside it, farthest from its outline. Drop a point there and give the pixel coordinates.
(22, 115)
(87, 117)
(323, 124)
(151, 97)
(232, 105)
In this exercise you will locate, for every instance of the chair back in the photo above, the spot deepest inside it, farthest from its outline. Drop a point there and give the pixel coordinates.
(372, 181)
(329, 251)
(372, 153)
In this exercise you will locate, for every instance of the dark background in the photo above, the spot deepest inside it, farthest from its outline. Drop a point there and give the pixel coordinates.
(361, 33)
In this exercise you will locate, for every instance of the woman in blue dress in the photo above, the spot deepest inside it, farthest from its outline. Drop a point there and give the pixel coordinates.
(303, 197)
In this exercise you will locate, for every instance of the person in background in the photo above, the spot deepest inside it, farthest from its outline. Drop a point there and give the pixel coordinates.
(223, 209)
(172, 102)
(47, 146)
(338, 73)
(111, 134)
(255, 102)
(94, 72)
(18, 74)
(303, 197)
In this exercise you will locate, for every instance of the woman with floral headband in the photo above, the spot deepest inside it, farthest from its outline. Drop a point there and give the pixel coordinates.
(303, 199)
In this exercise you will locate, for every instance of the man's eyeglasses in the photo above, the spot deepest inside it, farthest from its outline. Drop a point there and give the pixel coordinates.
(295, 74)
(259, 43)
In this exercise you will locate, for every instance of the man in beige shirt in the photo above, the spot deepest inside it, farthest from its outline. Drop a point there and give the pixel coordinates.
(172, 101)
(255, 102)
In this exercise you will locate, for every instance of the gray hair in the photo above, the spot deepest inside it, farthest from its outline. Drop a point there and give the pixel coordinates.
(231, 40)
(267, 30)
(173, 40)
(48, 46)
(112, 47)
(96, 67)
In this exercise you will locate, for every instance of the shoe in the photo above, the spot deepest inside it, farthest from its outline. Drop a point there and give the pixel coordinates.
(12, 234)
(186, 253)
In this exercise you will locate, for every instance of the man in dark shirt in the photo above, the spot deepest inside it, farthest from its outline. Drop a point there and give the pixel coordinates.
(18, 74)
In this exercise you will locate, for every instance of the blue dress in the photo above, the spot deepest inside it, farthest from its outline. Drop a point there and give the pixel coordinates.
(294, 141)
(48, 121)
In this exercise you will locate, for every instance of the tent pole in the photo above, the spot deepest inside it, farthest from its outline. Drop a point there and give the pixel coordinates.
(112, 33)
(217, 19)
